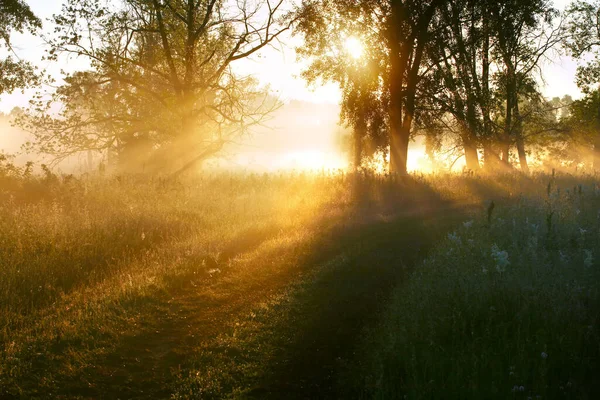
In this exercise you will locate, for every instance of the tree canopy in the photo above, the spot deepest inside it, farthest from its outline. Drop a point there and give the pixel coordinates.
(15, 16)
(161, 90)
(426, 65)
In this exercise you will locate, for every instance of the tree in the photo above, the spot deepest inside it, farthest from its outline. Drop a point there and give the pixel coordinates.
(456, 82)
(583, 40)
(579, 141)
(15, 15)
(395, 35)
(327, 27)
(161, 90)
(524, 34)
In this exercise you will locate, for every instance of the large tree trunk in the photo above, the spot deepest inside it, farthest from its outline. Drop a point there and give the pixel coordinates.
(505, 142)
(491, 159)
(471, 156)
(596, 165)
(597, 153)
(406, 57)
(396, 112)
(359, 133)
(519, 139)
(399, 139)
(508, 121)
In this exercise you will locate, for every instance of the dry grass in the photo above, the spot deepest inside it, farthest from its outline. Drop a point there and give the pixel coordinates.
(129, 286)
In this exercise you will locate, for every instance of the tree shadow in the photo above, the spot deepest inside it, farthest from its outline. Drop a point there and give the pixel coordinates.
(349, 266)
(346, 298)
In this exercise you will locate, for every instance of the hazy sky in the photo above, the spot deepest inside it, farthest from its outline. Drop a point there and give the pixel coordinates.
(277, 68)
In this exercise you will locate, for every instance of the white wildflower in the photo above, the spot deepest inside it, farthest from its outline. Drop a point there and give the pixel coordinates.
(582, 231)
(589, 258)
(454, 238)
(544, 355)
(501, 258)
(484, 269)
(143, 236)
(468, 224)
(563, 257)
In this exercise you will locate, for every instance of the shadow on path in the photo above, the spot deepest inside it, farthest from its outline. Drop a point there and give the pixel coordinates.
(335, 281)
(342, 301)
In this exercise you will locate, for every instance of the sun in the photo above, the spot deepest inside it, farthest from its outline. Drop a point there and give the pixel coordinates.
(354, 47)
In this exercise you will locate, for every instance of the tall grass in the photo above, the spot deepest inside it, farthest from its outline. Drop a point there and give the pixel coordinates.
(85, 261)
(507, 309)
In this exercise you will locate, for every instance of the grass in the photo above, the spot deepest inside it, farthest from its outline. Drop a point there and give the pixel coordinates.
(264, 286)
(506, 309)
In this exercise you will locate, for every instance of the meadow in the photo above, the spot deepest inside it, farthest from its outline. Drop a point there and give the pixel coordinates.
(299, 285)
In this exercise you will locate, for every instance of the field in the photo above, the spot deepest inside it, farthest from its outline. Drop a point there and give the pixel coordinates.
(299, 286)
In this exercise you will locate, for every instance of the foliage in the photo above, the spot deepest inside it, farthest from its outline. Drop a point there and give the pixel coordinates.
(379, 89)
(583, 39)
(15, 16)
(161, 91)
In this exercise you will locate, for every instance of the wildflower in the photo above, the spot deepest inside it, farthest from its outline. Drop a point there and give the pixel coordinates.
(589, 258)
(501, 258)
(468, 224)
(544, 355)
(582, 231)
(563, 257)
(143, 236)
(484, 269)
(454, 238)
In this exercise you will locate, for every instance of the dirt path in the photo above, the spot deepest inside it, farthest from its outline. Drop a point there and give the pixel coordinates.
(280, 318)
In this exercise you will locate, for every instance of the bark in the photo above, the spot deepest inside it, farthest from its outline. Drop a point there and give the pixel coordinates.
(399, 59)
(399, 147)
(596, 165)
(505, 149)
(470, 148)
(519, 139)
(492, 160)
(406, 57)
(490, 157)
(597, 153)
(359, 134)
